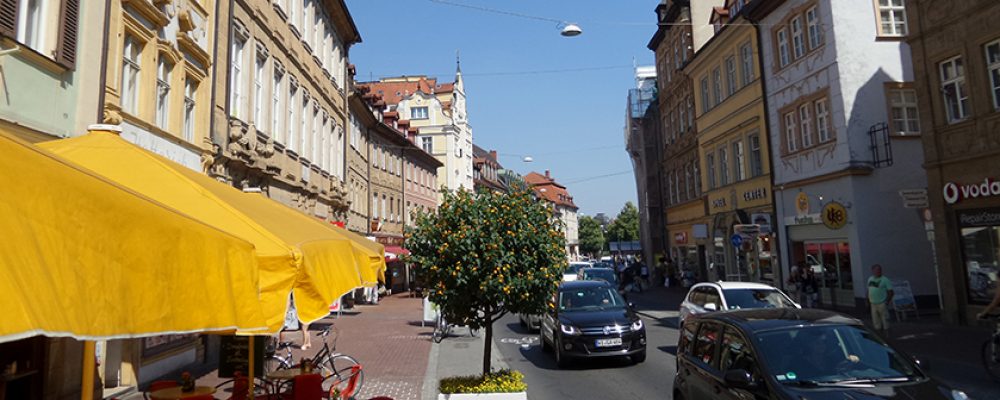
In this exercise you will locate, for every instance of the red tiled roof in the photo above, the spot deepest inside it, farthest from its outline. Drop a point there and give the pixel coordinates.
(394, 91)
(553, 193)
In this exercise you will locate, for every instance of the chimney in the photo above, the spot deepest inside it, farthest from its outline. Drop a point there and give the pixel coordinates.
(493, 153)
(547, 174)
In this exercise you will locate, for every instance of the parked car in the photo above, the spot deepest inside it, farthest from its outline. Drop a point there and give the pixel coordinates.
(570, 273)
(598, 273)
(590, 319)
(794, 354)
(718, 296)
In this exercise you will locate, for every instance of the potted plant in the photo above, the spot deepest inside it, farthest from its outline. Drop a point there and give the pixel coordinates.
(499, 385)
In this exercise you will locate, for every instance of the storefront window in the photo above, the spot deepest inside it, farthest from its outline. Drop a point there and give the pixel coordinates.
(981, 252)
(830, 261)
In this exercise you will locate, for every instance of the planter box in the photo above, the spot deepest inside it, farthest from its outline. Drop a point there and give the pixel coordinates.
(484, 396)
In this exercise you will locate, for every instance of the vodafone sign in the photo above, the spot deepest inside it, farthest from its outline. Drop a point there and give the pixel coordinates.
(953, 192)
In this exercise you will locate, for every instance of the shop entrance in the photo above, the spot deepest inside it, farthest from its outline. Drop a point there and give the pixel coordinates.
(830, 261)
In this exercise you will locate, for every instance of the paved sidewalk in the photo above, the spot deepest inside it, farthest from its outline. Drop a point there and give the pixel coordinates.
(458, 355)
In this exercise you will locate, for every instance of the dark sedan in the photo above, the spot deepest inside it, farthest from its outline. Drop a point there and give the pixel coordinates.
(794, 354)
(590, 319)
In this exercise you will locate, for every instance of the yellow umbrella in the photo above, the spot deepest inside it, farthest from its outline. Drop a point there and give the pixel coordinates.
(317, 271)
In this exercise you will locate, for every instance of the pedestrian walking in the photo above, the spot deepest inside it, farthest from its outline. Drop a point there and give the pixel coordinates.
(292, 323)
(810, 289)
(643, 274)
(795, 283)
(879, 298)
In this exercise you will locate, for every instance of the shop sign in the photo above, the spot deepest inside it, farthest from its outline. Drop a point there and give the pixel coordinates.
(751, 230)
(834, 215)
(755, 194)
(719, 202)
(974, 218)
(953, 192)
(802, 204)
(681, 238)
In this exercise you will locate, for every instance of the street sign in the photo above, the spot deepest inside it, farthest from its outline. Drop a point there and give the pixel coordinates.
(736, 240)
(914, 198)
(751, 230)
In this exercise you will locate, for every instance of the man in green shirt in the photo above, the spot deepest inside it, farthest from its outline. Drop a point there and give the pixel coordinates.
(879, 299)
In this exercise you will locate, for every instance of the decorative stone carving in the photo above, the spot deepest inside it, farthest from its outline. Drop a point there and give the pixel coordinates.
(112, 117)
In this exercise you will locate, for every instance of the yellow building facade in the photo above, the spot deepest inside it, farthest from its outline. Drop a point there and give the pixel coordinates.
(733, 153)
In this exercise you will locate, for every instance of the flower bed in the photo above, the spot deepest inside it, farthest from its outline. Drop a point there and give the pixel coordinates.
(500, 385)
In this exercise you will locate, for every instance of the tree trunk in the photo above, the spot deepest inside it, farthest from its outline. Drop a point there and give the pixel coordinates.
(487, 345)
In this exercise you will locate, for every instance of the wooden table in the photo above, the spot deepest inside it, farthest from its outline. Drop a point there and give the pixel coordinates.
(287, 374)
(175, 393)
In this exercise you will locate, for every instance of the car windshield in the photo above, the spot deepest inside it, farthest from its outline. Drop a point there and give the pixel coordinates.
(831, 354)
(571, 269)
(602, 274)
(591, 298)
(756, 298)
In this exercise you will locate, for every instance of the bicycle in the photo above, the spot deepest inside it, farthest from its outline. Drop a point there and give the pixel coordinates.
(442, 328)
(327, 361)
(991, 348)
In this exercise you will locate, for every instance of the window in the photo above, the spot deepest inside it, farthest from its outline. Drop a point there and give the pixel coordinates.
(688, 182)
(783, 56)
(304, 132)
(684, 47)
(314, 141)
(980, 238)
(418, 113)
(798, 39)
(956, 98)
(236, 95)
(163, 68)
(739, 162)
(812, 26)
(822, 121)
(903, 110)
(791, 138)
(687, 338)
(756, 165)
(730, 75)
(710, 161)
(258, 90)
(131, 68)
(276, 112)
(427, 144)
(746, 58)
(717, 85)
(383, 214)
(735, 354)
(704, 345)
(697, 178)
(705, 106)
(30, 22)
(293, 92)
(993, 65)
(723, 166)
(190, 89)
(805, 125)
(677, 57)
(892, 17)
(690, 112)
(375, 206)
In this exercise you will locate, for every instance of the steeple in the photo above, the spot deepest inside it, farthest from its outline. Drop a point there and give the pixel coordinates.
(458, 64)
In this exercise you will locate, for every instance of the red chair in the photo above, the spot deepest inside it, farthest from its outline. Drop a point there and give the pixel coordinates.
(157, 385)
(305, 387)
(352, 383)
(201, 397)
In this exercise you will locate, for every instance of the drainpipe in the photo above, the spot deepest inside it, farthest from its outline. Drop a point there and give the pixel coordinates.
(368, 163)
(102, 91)
(775, 249)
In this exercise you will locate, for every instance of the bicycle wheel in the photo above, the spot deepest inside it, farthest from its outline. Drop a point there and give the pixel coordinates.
(991, 357)
(342, 367)
(274, 363)
(439, 329)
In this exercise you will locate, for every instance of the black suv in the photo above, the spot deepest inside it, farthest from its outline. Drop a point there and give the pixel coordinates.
(590, 319)
(793, 354)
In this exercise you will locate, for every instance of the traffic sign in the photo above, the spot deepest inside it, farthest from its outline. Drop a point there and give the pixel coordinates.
(914, 198)
(736, 240)
(751, 230)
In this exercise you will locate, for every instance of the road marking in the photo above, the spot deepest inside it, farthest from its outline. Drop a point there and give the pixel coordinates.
(522, 340)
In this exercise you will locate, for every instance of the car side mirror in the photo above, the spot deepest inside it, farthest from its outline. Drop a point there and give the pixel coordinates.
(739, 379)
(711, 307)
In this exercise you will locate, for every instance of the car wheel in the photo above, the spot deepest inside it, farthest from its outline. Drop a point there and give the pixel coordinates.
(639, 358)
(561, 360)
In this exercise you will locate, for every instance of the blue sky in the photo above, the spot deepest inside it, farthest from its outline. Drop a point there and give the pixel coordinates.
(570, 122)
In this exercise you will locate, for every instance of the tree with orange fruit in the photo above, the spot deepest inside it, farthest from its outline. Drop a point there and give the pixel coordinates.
(485, 254)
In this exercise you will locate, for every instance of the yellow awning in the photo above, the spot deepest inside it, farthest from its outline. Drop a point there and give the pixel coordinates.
(83, 257)
(374, 249)
(281, 260)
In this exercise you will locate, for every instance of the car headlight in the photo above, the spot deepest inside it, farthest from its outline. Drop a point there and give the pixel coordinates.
(959, 395)
(637, 325)
(569, 329)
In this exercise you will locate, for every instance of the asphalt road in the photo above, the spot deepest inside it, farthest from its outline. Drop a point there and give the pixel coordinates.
(610, 378)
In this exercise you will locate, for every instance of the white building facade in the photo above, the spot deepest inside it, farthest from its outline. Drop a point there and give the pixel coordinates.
(844, 143)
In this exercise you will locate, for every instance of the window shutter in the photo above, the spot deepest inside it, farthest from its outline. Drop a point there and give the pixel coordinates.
(69, 17)
(8, 17)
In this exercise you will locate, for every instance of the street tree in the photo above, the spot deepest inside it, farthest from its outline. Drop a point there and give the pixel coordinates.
(483, 255)
(591, 235)
(625, 227)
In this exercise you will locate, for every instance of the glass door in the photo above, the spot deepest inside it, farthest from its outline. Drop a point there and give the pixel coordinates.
(831, 264)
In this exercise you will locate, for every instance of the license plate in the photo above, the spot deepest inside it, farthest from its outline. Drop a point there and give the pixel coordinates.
(608, 342)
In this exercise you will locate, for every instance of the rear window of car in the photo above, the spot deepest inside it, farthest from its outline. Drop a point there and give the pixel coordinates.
(756, 298)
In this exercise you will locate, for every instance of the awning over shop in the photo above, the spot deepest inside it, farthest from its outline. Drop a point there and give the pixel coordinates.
(393, 253)
(281, 258)
(83, 257)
